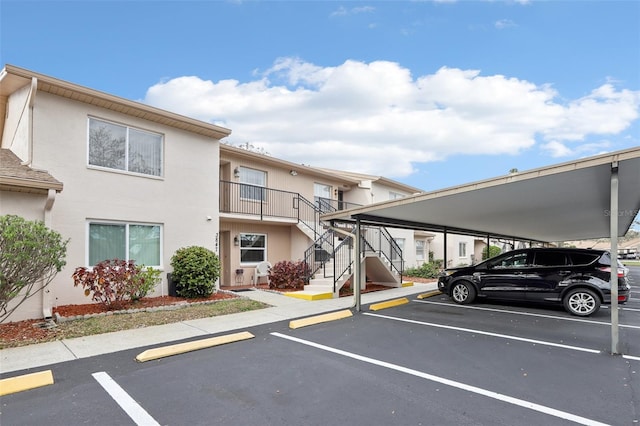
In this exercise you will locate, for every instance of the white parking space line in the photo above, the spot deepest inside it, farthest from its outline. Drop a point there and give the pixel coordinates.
(634, 358)
(484, 392)
(486, 333)
(626, 309)
(128, 404)
(451, 305)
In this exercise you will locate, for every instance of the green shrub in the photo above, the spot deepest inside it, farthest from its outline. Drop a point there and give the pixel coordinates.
(144, 281)
(493, 251)
(426, 270)
(30, 254)
(287, 274)
(195, 270)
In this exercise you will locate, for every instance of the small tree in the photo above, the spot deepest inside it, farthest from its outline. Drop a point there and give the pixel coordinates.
(30, 254)
(195, 269)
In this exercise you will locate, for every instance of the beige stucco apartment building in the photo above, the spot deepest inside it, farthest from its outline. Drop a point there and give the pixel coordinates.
(117, 178)
(121, 179)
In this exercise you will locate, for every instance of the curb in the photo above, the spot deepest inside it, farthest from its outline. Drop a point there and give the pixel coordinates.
(320, 319)
(309, 296)
(428, 294)
(25, 382)
(389, 304)
(181, 348)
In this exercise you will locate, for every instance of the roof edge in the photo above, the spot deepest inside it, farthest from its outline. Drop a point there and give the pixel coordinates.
(218, 131)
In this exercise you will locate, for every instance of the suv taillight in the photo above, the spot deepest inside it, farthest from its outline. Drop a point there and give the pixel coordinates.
(608, 270)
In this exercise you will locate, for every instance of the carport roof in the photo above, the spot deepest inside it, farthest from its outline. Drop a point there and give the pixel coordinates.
(568, 201)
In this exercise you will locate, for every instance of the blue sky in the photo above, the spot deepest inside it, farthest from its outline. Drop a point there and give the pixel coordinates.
(429, 93)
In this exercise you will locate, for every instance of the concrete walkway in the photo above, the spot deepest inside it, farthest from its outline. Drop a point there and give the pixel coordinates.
(281, 308)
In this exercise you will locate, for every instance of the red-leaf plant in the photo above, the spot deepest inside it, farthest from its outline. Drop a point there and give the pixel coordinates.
(110, 282)
(287, 274)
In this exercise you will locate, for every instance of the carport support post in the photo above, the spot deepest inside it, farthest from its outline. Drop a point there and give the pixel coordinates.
(357, 272)
(445, 250)
(614, 258)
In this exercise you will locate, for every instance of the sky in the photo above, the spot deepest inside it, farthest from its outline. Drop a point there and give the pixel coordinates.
(429, 93)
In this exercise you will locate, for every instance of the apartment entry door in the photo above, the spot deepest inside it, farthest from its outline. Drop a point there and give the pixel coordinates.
(225, 259)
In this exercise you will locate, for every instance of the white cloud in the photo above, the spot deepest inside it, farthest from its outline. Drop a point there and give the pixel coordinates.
(556, 149)
(504, 23)
(343, 11)
(377, 118)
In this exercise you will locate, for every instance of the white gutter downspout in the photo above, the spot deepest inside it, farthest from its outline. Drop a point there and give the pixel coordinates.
(613, 279)
(30, 102)
(47, 305)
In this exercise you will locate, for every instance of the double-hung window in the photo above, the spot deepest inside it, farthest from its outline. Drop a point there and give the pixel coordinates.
(253, 183)
(420, 251)
(395, 255)
(127, 241)
(125, 148)
(322, 196)
(462, 249)
(253, 248)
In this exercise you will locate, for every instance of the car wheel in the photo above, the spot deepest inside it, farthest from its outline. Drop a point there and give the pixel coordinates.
(463, 292)
(581, 302)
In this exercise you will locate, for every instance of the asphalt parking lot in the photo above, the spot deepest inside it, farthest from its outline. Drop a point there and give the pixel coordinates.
(426, 362)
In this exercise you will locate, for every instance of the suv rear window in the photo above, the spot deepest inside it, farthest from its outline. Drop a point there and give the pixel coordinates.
(583, 258)
(550, 258)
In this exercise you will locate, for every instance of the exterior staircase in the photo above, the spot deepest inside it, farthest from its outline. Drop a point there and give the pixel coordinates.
(331, 261)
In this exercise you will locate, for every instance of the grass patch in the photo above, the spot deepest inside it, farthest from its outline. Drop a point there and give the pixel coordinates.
(124, 321)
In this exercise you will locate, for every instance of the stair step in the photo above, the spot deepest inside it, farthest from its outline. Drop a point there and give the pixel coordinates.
(310, 295)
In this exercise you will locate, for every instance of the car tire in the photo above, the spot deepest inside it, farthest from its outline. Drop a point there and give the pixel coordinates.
(581, 302)
(463, 292)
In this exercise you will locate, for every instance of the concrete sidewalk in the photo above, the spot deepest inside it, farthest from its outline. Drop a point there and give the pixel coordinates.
(282, 308)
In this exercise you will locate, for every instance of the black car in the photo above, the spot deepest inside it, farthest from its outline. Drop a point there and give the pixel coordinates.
(576, 278)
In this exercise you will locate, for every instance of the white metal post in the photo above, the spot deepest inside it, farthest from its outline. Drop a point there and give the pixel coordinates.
(614, 258)
(357, 272)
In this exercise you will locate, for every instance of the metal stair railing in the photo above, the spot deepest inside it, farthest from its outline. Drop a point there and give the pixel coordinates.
(378, 240)
(308, 215)
(319, 253)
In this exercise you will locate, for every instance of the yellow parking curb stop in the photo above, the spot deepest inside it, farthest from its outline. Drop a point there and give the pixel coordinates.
(181, 348)
(429, 294)
(389, 304)
(320, 318)
(25, 382)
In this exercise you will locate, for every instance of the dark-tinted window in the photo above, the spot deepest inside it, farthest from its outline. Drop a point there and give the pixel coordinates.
(550, 258)
(583, 258)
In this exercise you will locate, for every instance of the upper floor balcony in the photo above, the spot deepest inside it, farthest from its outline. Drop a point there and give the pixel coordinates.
(263, 203)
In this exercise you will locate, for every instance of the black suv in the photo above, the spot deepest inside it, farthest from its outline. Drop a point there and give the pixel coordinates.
(577, 278)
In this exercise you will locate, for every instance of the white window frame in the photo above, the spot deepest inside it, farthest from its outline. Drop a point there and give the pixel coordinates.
(264, 249)
(395, 195)
(243, 185)
(420, 248)
(401, 243)
(127, 242)
(462, 249)
(128, 130)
